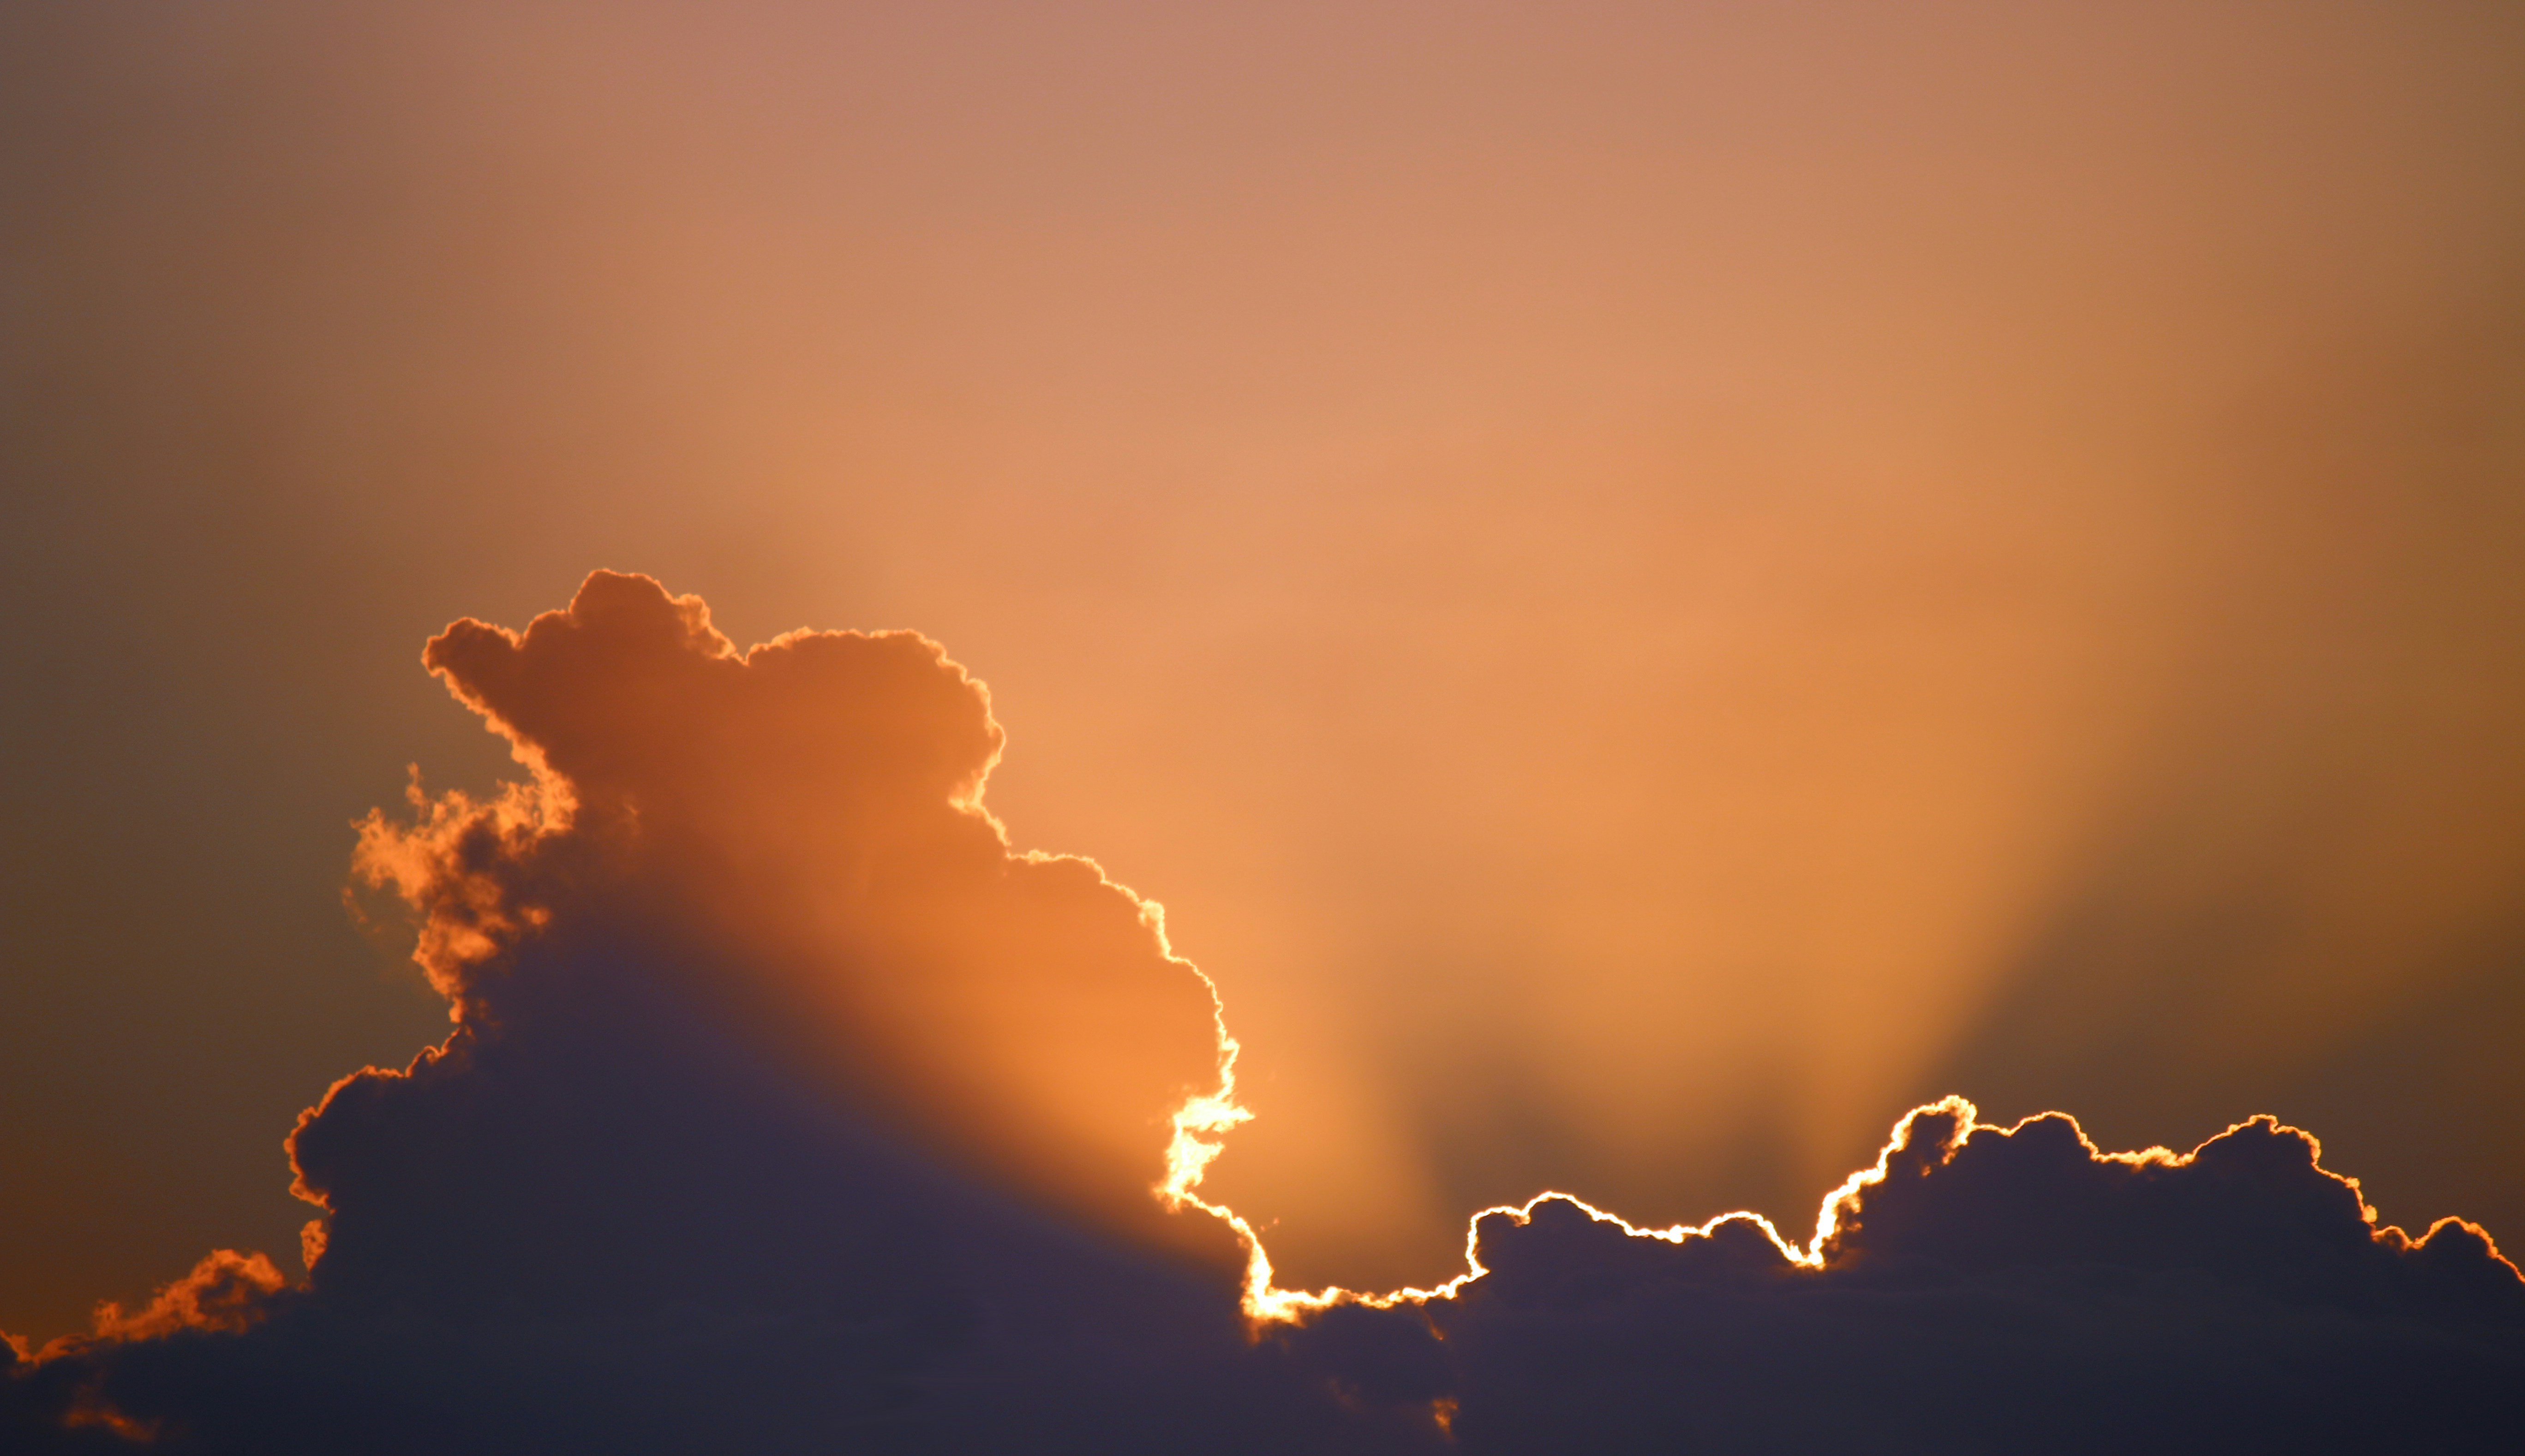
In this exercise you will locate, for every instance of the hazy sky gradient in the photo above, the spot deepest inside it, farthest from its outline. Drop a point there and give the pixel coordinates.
(1649, 585)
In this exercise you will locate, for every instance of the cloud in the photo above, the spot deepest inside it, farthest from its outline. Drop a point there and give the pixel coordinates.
(1980, 1289)
(784, 1105)
(787, 1109)
(806, 819)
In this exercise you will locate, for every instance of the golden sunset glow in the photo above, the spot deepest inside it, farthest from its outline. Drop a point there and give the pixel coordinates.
(1157, 728)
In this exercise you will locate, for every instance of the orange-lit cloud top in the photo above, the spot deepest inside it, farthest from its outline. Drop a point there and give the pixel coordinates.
(812, 811)
(788, 1109)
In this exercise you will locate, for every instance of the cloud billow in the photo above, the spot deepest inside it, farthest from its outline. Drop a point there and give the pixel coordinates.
(787, 1109)
(1987, 1290)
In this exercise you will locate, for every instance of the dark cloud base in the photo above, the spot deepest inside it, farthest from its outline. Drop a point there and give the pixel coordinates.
(594, 1243)
(2006, 1291)
(664, 1190)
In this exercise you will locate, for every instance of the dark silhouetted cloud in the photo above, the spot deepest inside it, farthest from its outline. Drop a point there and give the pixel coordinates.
(787, 1109)
(1979, 1289)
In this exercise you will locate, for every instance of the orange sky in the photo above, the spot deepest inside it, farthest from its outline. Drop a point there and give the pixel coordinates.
(1648, 585)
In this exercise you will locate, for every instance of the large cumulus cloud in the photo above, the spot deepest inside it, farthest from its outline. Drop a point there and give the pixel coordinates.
(788, 1109)
(785, 1108)
(803, 822)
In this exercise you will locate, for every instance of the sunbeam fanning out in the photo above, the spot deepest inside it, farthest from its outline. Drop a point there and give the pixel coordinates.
(1651, 585)
(1340, 726)
(787, 1108)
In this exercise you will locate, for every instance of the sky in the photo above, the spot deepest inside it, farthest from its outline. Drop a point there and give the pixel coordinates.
(1650, 587)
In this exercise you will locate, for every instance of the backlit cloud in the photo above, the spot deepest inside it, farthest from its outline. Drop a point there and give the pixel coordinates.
(804, 820)
(1978, 1290)
(788, 1108)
